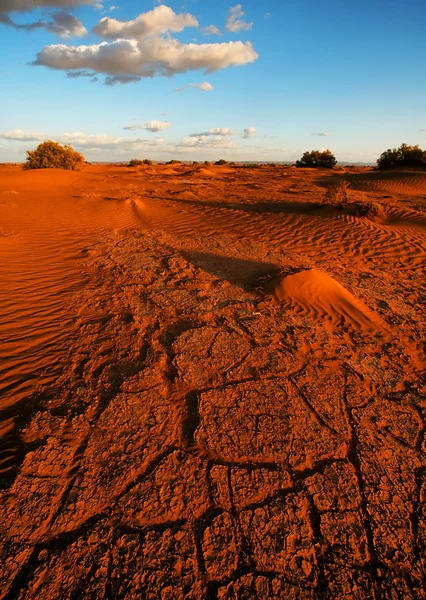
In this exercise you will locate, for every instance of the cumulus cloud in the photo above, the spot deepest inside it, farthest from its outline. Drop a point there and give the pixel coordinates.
(146, 58)
(63, 24)
(66, 25)
(152, 126)
(19, 135)
(211, 30)
(218, 131)
(249, 132)
(205, 87)
(322, 134)
(234, 21)
(159, 20)
(7, 6)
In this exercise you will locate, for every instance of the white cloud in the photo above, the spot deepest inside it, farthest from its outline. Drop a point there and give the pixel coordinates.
(152, 126)
(212, 30)
(207, 141)
(218, 131)
(18, 135)
(28, 5)
(156, 125)
(322, 134)
(234, 22)
(268, 15)
(157, 21)
(249, 132)
(88, 142)
(64, 25)
(205, 87)
(146, 58)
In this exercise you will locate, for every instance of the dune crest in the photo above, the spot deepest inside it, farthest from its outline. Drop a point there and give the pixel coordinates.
(314, 293)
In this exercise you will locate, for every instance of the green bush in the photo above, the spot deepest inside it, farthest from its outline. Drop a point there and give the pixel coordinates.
(52, 155)
(222, 161)
(317, 158)
(404, 156)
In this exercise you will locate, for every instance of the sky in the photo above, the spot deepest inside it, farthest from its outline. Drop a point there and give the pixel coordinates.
(203, 80)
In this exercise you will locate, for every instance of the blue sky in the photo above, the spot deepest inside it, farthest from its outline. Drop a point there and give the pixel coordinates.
(351, 71)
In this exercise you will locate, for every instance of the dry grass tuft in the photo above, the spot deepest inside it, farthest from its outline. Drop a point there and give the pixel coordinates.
(371, 210)
(337, 194)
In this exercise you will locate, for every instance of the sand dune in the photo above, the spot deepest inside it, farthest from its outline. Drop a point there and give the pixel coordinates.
(165, 429)
(318, 295)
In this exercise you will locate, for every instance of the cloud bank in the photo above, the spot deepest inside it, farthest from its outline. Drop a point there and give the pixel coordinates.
(144, 47)
(146, 58)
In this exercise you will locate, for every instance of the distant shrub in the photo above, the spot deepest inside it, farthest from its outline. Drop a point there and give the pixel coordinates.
(52, 155)
(222, 161)
(404, 156)
(195, 163)
(207, 163)
(135, 162)
(174, 162)
(317, 158)
(337, 194)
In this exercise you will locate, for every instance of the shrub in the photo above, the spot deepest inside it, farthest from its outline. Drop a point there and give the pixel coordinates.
(195, 163)
(135, 162)
(207, 163)
(317, 158)
(404, 156)
(337, 194)
(222, 161)
(52, 155)
(174, 162)
(371, 210)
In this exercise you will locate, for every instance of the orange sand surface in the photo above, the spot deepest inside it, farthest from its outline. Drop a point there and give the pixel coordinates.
(211, 384)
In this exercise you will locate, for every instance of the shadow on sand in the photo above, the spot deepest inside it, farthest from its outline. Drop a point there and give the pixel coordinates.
(240, 272)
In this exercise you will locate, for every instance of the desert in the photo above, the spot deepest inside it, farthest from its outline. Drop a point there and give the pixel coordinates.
(211, 382)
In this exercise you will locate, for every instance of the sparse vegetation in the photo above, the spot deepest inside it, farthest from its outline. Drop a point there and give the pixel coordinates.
(50, 154)
(220, 162)
(174, 162)
(136, 162)
(337, 194)
(371, 210)
(404, 156)
(317, 158)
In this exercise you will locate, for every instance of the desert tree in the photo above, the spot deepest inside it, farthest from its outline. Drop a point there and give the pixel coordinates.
(317, 158)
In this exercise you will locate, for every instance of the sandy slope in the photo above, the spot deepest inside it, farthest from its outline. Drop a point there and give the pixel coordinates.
(210, 385)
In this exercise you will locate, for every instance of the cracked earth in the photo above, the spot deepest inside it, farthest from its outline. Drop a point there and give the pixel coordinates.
(202, 438)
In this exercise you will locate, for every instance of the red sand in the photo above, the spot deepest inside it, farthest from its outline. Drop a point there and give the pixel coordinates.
(210, 384)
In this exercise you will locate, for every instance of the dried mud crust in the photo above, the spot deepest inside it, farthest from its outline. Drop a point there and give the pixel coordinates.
(203, 443)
